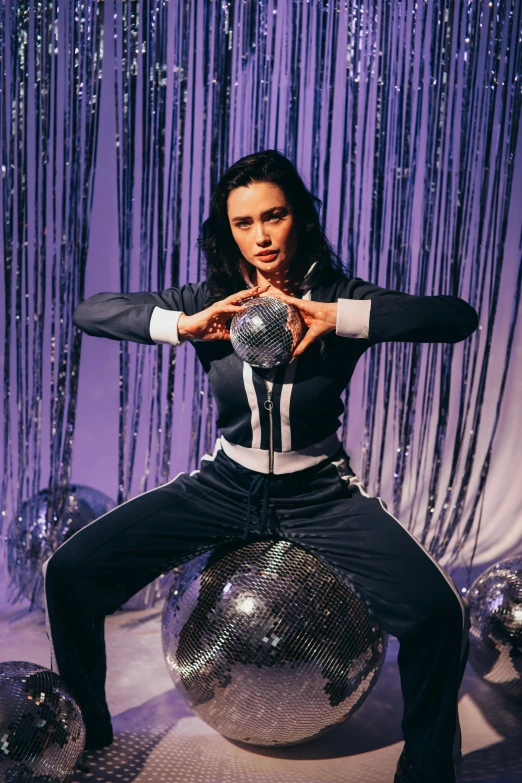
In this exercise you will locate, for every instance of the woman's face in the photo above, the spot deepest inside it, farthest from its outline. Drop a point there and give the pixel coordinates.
(261, 220)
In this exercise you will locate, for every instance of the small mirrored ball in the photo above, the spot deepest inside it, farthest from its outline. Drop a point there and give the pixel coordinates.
(267, 332)
(495, 653)
(42, 732)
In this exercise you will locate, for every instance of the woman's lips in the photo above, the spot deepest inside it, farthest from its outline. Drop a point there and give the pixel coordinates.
(268, 256)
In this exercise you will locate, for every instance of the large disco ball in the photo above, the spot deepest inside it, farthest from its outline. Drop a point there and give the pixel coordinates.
(34, 533)
(267, 645)
(266, 333)
(495, 653)
(42, 733)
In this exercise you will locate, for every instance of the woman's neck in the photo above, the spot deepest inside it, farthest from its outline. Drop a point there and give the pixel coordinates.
(282, 281)
(286, 286)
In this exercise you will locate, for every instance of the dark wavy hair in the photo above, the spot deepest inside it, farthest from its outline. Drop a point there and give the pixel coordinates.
(222, 254)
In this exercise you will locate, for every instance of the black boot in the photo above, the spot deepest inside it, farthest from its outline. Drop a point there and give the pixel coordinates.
(85, 766)
(98, 730)
(407, 773)
(95, 740)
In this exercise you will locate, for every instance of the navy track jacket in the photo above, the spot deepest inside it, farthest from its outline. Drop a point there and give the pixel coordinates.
(300, 430)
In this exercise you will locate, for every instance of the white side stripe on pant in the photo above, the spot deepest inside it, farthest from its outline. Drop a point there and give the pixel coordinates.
(444, 574)
(355, 481)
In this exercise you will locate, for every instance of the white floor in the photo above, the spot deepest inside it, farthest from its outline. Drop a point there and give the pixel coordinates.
(159, 740)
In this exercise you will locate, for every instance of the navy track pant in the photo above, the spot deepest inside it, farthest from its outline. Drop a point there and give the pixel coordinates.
(326, 510)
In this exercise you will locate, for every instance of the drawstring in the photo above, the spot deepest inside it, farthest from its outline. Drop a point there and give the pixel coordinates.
(259, 483)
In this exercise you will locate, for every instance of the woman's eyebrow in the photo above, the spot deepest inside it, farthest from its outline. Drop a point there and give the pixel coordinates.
(263, 214)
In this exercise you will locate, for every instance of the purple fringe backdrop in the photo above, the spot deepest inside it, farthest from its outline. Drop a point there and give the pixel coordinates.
(117, 119)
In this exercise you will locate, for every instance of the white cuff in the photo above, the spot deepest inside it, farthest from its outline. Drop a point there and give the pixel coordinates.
(163, 326)
(353, 318)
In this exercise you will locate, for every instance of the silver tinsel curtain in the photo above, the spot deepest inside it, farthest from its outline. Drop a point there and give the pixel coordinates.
(403, 117)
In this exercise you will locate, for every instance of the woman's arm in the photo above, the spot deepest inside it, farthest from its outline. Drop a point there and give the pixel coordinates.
(367, 311)
(142, 317)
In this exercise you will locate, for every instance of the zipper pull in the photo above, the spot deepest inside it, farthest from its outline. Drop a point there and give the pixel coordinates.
(268, 402)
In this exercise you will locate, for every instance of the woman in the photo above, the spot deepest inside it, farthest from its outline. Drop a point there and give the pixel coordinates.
(278, 468)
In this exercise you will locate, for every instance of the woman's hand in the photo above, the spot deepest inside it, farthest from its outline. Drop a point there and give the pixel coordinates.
(319, 317)
(211, 323)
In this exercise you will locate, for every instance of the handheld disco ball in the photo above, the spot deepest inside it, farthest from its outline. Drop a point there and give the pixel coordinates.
(267, 645)
(495, 637)
(42, 733)
(265, 334)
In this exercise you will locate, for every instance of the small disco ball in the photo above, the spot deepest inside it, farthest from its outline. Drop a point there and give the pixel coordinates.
(34, 533)
(32, 539)
(42, 733)
(495, 652)
(267, 645)
(266, 334)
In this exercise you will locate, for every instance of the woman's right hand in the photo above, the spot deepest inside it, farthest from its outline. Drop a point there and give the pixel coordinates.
(211, 323)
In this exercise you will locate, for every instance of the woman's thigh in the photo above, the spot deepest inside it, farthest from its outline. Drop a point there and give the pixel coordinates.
(147, 535)
(401, 582)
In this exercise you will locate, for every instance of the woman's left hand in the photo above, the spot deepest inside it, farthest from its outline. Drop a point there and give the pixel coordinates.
(319, 317)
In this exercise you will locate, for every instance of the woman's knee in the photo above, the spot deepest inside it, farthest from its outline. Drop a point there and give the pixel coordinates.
(448, 608)
(62, 571)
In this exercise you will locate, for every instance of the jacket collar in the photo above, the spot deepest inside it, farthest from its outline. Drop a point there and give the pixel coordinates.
(306, 282)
